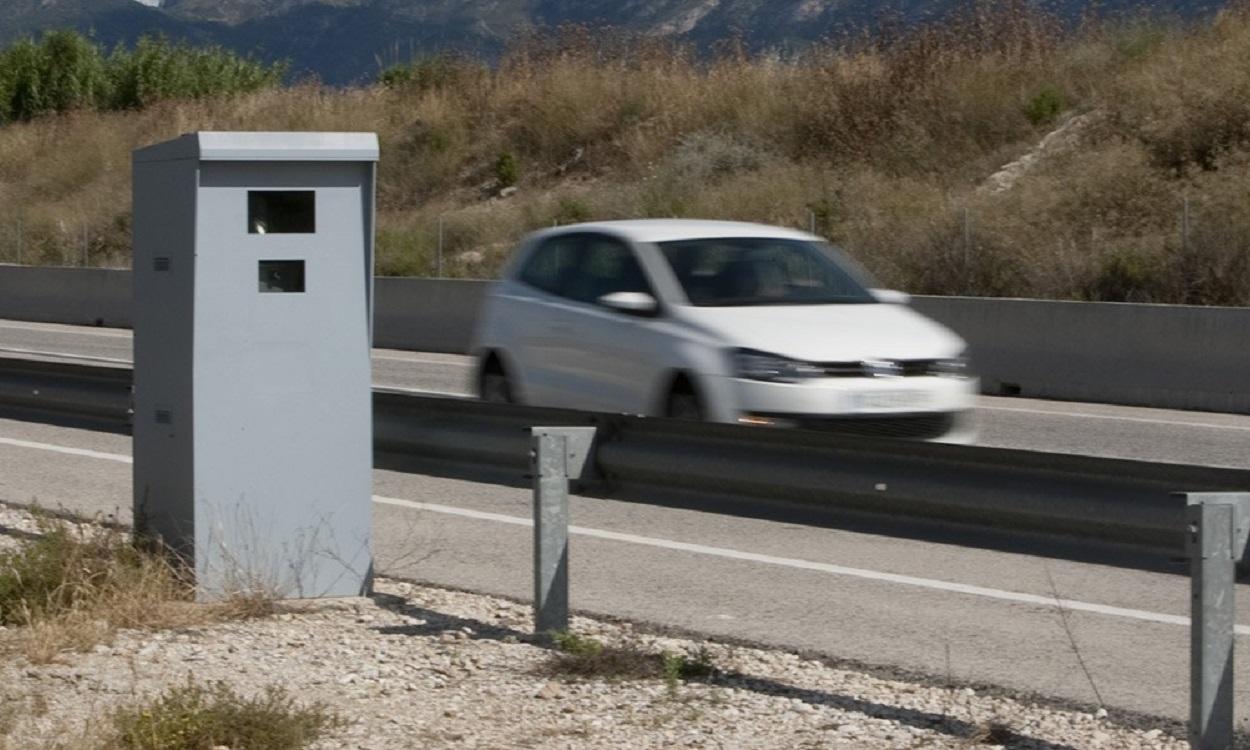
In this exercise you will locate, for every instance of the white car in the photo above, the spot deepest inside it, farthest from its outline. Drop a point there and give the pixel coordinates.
(720, 321)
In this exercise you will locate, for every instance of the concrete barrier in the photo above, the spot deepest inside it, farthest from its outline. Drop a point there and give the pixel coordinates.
(78, 296)
(1170, 356)
(1166, 356)
(427, 315)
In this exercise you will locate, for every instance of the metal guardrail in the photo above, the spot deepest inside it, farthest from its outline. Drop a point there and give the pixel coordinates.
(1097, 499)
(66, 390)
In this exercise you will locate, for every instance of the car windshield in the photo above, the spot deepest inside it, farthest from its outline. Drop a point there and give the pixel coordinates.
(735, 272)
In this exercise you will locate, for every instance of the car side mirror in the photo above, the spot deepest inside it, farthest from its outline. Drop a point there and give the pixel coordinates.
(891, 296)
(631, 303)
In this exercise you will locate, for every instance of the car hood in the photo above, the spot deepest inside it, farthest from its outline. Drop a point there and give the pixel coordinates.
(827, 333)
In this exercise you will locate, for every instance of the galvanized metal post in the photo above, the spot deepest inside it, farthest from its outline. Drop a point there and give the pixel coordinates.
(557, 454)
(1216, 539)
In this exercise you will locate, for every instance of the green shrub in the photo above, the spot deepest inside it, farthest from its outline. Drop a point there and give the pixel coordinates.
(1128, 276)
(1043, 108)
(157, 70)
(431, 73)
(506, 170)
(571, 211)
(66, 71)
(195, 717)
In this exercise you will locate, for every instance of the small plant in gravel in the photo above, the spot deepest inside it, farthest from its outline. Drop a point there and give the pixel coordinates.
(581, 656)
(74, 585)
(573, 644)
(198, 717)
(692, 666)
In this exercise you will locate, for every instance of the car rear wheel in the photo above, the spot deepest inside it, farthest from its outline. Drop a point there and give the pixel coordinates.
(494, 385)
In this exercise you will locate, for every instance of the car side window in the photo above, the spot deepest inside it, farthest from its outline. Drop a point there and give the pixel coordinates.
(607, 265)
(550, 264)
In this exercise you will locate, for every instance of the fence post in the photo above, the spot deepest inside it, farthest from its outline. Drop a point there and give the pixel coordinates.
(967, 251)
(439, 273)
(1216, 533)
(557, 454)
(1187, 265)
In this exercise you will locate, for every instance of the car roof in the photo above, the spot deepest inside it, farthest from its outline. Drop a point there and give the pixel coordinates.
(667, 230)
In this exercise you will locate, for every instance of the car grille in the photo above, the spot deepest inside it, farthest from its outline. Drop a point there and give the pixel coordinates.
(907, 368)
(911, 426)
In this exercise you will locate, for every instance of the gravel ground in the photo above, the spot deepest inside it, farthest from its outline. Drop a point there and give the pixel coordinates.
(415, 666)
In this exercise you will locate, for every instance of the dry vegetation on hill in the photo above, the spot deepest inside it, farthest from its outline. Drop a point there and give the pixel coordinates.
(925, 154)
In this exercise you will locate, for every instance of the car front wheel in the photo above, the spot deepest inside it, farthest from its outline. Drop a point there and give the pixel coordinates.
(684, 403)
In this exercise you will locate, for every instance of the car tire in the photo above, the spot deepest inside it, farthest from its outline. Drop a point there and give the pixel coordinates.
(683, 403)
(494, 386)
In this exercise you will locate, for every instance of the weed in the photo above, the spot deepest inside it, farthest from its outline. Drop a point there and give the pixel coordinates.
(195, 717)
(74, 585)
(692, 666)
(580, 656)
(576, 645)
(992, 733)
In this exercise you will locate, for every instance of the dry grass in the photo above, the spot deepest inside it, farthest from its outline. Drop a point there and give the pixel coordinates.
(882, 144)
(74, 586)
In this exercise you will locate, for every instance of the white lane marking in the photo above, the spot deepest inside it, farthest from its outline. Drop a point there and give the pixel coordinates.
(118, 457)
(1145, 420)
(420, 360)
(788, 562)
(426, 391)
(70, 330)
(115, 360)
(701, 549)
(65, 355)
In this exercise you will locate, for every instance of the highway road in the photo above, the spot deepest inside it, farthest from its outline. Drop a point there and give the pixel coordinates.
(1060, 427)
(1068, 631)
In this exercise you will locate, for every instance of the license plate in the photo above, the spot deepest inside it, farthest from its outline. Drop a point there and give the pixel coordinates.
(891, 400)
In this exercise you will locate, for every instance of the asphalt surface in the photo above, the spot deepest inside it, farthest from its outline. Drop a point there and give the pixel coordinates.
(1065, 630)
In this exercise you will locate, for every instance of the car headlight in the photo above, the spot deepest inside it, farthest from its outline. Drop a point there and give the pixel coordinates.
(955, 367)
(757, 365)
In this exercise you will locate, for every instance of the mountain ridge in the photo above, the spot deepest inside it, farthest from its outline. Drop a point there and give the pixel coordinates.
(347, 41)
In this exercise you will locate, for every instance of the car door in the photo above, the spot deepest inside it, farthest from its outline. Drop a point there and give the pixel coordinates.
(615, 363)
(540, 319)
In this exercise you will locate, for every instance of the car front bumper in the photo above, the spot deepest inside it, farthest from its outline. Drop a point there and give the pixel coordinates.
(923, 408)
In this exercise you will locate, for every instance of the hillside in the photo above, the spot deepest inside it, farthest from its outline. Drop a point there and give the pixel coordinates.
(343, 41)
(997, 155)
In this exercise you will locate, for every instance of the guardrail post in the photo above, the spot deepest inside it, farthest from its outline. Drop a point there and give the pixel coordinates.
(1216, 534)
(557, 454)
